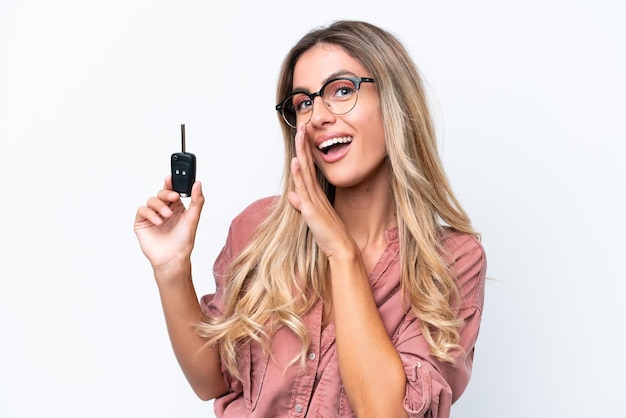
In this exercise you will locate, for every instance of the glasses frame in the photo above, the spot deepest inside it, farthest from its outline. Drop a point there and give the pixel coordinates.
(357, 85)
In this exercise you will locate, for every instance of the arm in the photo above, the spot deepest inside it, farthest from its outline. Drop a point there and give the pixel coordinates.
(430, 386)
(372, 373)
(166, 232)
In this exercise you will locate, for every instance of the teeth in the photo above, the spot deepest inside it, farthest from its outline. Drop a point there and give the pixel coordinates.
(333, 141)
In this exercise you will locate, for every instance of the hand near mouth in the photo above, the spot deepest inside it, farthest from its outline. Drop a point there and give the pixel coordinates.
(308, 197)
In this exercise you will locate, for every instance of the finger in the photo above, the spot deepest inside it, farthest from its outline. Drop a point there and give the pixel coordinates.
(145, 214)
(160, 205)
(300, 187)
(167, 183)
(168, 195)
(303, 152)
(294, 196)
(197, 201)
(305, 168)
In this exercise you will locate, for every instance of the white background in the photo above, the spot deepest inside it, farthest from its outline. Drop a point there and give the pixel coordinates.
(530, 104)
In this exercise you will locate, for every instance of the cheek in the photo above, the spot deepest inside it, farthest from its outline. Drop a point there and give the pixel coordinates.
(374, 129)
(372, 115)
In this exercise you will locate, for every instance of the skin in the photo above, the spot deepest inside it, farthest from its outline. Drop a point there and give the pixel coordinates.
(351, 234)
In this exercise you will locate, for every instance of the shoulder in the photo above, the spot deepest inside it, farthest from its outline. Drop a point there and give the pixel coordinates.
(455, 244)
(246, 222)
(466, 258)
(256, 211)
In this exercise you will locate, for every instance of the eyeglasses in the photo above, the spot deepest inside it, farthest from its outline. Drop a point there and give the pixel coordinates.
(338, 95)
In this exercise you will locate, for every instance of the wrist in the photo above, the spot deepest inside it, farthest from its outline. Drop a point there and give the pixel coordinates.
(173, 270)
(346, 262)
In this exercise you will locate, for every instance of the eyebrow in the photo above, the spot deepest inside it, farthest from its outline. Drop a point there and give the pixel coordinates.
(336, 74)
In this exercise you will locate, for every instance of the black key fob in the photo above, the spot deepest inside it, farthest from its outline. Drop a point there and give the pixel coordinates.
(183, 165)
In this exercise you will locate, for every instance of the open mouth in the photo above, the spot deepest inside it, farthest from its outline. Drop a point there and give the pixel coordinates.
(334, 143)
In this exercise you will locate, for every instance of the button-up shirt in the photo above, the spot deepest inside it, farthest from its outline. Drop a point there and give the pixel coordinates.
(271, 388)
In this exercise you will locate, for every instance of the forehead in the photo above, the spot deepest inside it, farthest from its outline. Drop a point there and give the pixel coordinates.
(322, 62)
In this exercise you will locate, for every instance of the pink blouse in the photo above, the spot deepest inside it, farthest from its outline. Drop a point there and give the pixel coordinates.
(269, 389)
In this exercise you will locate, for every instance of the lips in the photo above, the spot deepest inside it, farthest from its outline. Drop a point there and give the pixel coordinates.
(325, 146)
(332, 149)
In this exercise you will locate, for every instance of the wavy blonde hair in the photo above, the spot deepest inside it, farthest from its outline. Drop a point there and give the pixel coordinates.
(281, 274)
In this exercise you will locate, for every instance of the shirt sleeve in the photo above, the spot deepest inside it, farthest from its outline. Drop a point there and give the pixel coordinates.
(433, 386)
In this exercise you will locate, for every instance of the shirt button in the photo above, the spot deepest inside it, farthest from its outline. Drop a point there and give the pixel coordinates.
(298, 408)
(311, 356)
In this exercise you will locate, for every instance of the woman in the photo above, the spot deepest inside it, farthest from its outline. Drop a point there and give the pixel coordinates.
(356, 292)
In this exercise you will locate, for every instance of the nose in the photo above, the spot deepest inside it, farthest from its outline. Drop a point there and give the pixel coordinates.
(321, 114)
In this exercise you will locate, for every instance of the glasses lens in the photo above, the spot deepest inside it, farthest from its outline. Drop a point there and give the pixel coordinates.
(340, 96)
(297, 108)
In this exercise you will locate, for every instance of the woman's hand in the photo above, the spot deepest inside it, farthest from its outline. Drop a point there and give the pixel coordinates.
(165, 229)
(308, 197)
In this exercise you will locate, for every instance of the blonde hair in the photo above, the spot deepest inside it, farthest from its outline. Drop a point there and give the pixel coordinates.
(282, 273)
